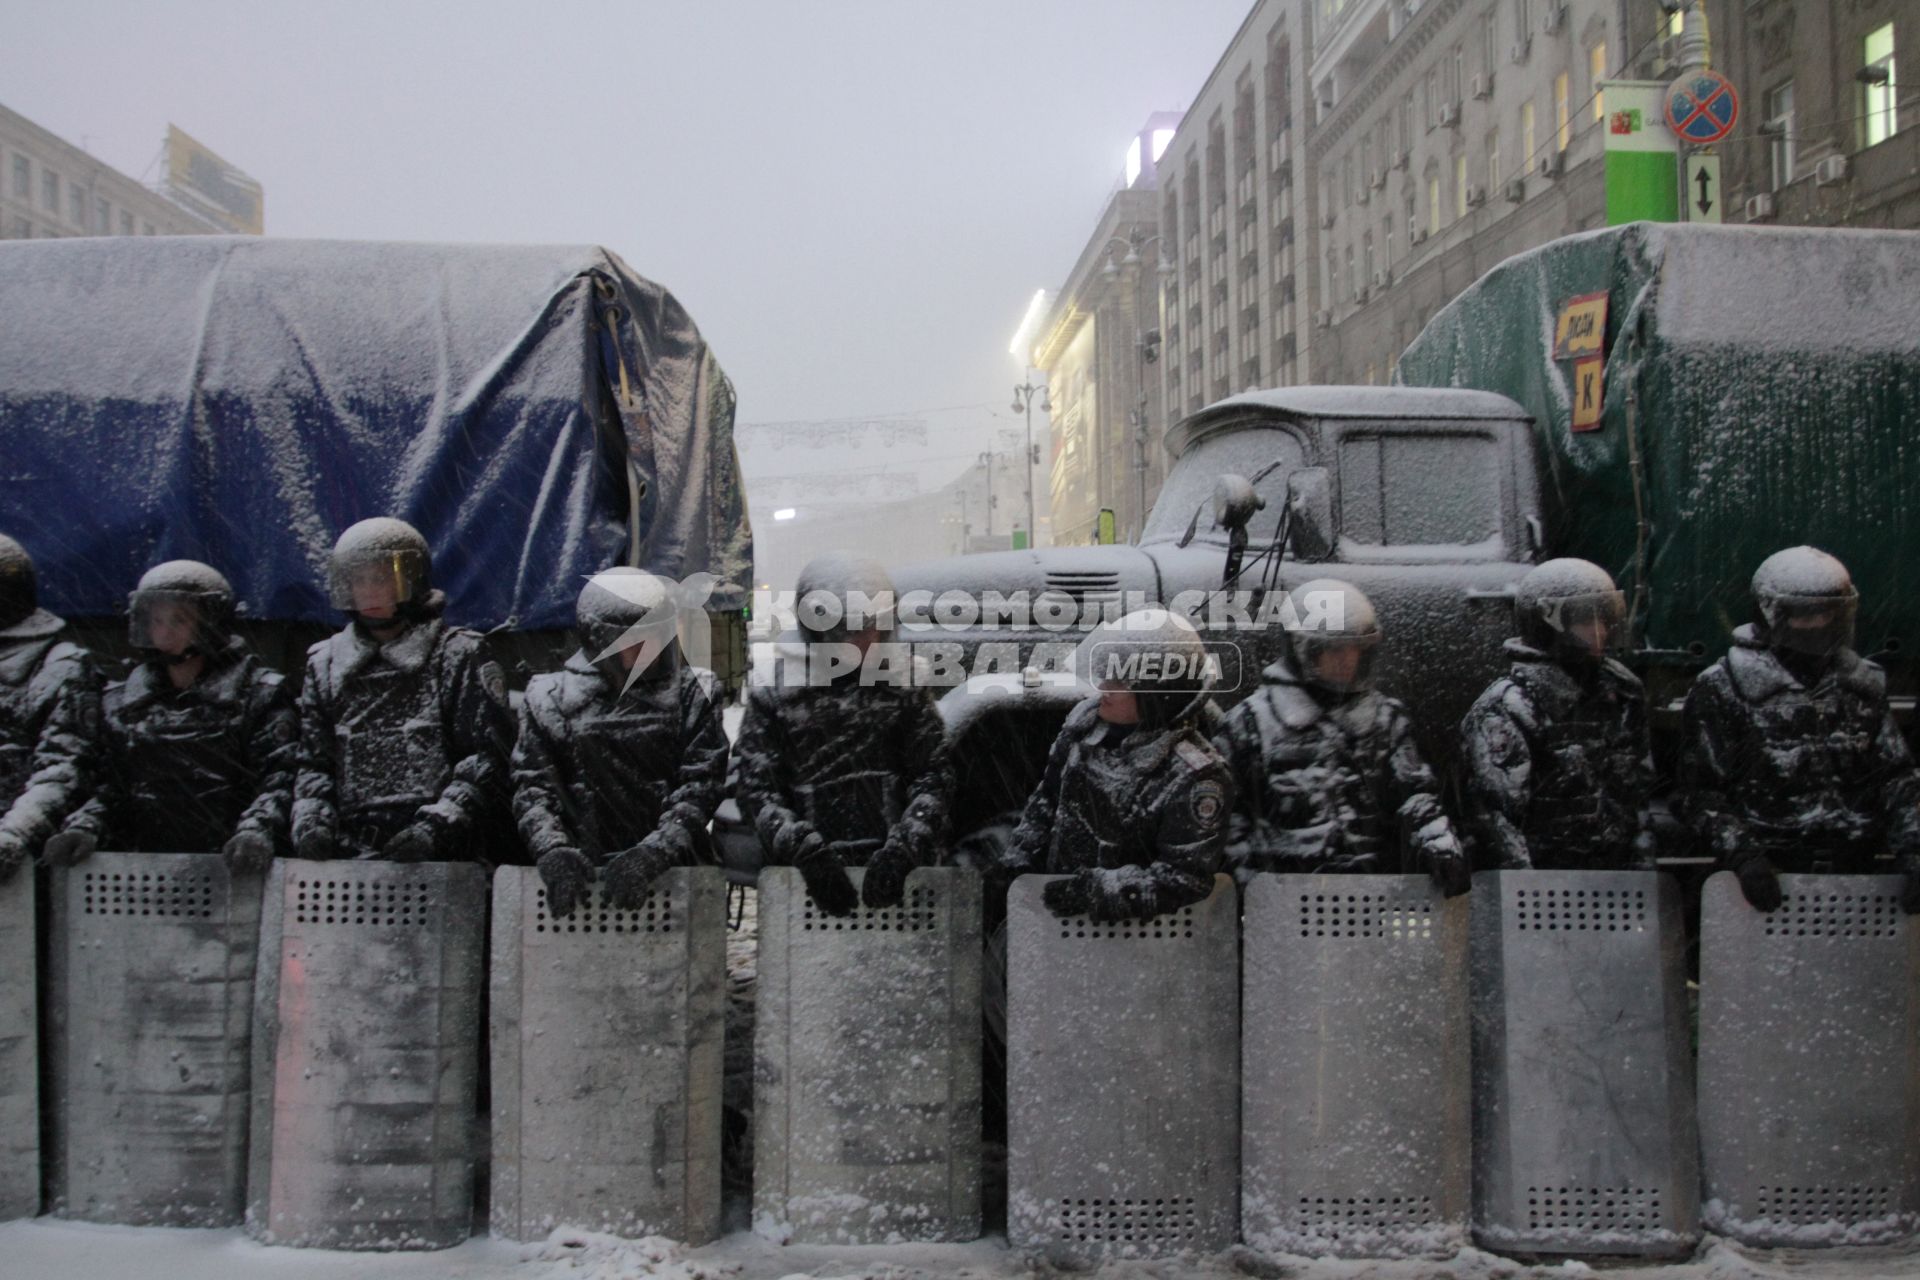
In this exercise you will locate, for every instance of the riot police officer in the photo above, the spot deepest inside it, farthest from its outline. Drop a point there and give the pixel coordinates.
(198, 744)
(1559, 767)
(621, 758)
(404, 726)
(49, 713)
(1791, 759)
(1329, 778)
(1132, 809)
(843, 759)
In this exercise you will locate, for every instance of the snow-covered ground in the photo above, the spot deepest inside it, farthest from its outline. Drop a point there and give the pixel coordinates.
(45, 1248)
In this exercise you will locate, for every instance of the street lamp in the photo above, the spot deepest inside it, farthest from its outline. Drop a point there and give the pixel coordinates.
(1023, 403)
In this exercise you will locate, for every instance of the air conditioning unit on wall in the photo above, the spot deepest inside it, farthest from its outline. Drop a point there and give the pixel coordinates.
(1760, 207)
(1551, 164)
(1830, 170)
(1555, 18)
(1450, 114)
(1483, 86)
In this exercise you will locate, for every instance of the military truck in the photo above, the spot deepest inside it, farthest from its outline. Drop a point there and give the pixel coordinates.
(1671, 402)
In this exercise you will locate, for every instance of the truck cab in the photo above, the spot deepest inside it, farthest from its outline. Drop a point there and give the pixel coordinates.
(1427, 499)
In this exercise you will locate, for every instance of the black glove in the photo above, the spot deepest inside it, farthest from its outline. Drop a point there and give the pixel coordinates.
(1071, 896)
(566, 873)
(629, 875)
(415, 842)
(827, 881)
(1451, 873)
(69, 848)
(315, 844)
(1910, 893)
(13, 852)
(885, 883)
(1760, 884)
(248, 852)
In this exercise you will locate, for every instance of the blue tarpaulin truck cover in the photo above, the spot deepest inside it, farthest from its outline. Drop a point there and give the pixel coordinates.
(538, 412)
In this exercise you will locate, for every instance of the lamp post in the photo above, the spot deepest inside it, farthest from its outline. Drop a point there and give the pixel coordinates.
(1146, 348)
(1023, 403)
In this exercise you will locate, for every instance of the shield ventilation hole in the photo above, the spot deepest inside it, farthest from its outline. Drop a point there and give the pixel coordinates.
(147, 893)
(1333, 1216)
(1365, 915)
(1160, 1221)
(919, 912)
(1842, 914)
(1812, 1205)
(1580, 910)
(1170, 926)
(1593, 1209)
(658, 914)
(380, 904)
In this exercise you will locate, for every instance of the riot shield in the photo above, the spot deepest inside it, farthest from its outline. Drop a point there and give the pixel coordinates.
(1123, 1079)
(19, 1052)
(150, 1007)
(1354, 1067)
(365, 1044)
(1583, 1122)
(1810, 1062)
(606, 1039)
(866, 1098)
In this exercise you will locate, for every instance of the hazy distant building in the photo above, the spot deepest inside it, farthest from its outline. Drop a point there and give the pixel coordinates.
(1827, 134)
(50, 188)
(1099, 345)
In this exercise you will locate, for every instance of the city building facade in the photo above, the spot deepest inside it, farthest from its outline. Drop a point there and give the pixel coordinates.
(1827, 134)
(1448, 136)
(50, 188)
(1099, 345)
(1231, 197)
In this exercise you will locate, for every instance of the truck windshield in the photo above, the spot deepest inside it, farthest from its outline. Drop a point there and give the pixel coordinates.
(1243, 451)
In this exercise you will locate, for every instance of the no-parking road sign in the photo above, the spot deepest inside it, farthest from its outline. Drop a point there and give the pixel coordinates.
(1702, 107)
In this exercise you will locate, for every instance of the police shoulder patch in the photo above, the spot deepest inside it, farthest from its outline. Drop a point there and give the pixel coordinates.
(1209, 802)
(495, 681)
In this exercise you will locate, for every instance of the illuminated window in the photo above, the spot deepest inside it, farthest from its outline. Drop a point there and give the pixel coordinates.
(1562, 125)
(1460, 185)
(1675, 21)
(1882, 88)
(1597, 70)
(1779, 125)
(1527, 140)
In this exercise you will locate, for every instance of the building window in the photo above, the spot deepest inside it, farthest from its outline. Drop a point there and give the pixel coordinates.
(1882, 90)
(102, 217)
(1460, 185)
(1406, 125)
(126, 223)
(1522, 20)
(1676, 21)
(1366, 259)
(22, 178)
(1386, 241)
(50, 191)
(1353, 284)
(1562, 123)
(1489, 43)
(76, 206)
(1597, 71)
(1779, 124)
(1433, 96)
(1527, 140)
(1493, 160)
(1433, 205)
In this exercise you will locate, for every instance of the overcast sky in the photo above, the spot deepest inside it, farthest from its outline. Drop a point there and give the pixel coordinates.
(854, 200)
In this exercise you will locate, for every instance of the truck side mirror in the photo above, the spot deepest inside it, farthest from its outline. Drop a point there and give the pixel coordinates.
(1310, 513)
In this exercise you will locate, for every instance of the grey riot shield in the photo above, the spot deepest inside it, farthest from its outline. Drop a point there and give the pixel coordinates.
(19, 1053)
(1354, 1066)
(866, 1089)
(1583, 1122)
(149, 1010)
(1810, 1062)
(606, 1037)
(365, 1044)
(1123, 1079)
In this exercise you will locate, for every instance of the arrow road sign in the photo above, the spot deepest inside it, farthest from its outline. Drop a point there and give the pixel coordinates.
(1701, 191)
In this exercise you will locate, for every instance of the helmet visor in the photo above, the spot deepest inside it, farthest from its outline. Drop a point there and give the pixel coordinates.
(375, 583)
(169, 622)
(1341, 663)
(1817, 625)
(1592, 625)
